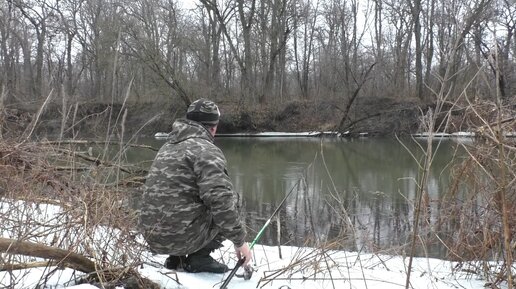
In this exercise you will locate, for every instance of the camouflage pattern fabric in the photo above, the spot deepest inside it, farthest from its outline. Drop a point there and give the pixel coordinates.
(188, 197)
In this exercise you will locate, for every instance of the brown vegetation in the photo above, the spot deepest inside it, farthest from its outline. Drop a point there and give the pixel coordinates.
(378, 117)
(54, 209)
(481, 224)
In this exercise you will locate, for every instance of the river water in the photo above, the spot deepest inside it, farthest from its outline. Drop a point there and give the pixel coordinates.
(370, 183)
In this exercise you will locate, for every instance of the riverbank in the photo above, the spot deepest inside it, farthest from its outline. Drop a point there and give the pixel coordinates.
(296, 267)
(375, 117)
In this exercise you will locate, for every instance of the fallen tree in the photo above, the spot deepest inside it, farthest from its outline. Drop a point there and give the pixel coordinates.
(65, 258)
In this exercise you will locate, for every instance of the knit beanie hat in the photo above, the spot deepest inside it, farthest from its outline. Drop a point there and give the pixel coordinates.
(203, 111)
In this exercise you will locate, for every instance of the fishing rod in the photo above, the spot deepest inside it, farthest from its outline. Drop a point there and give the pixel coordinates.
(248, 273)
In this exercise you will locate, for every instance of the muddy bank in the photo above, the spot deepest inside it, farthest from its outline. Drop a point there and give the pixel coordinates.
(378, 117)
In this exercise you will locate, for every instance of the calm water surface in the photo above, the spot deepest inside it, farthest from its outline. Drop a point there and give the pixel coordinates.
(369, 182)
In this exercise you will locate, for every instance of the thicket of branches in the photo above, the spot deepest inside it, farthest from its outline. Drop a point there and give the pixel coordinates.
(480, 203)
(62, 207)
(476, 224)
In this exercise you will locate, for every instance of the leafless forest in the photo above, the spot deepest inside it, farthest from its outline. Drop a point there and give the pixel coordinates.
(255, 52)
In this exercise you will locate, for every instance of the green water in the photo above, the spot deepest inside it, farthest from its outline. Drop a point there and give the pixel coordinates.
(369, 182)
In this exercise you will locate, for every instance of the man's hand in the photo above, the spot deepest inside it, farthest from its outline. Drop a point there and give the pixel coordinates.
(244, 252)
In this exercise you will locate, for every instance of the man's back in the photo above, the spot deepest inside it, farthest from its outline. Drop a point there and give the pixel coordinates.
(186, 186)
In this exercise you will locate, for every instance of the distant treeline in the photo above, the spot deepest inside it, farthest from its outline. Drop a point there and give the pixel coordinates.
(252, 52)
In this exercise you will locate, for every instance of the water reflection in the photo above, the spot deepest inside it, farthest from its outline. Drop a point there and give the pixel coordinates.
(368, 182)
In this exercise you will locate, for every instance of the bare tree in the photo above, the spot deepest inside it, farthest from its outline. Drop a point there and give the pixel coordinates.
(67, 11)
(507, 21)
(246, 16)
(38, 19)
(206, 43)
(275, 31)
(416, 10)
(454, 43)
(153, 38)
(99, 35)
(8, 48)
(399, 39)
(304, 28)
(429, 17)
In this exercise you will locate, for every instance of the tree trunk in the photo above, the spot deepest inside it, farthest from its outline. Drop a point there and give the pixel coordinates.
(247, 71)
(429, 47)
(7, 48)
(415, 9)
(72, 260)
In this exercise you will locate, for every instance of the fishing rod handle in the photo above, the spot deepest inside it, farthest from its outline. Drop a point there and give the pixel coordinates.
(232, 273)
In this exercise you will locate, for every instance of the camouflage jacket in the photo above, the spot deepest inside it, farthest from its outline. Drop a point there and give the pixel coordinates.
(188, 197)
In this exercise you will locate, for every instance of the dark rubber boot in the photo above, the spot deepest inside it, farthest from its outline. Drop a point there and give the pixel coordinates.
(204, 263)
(201, 261)
(175, 262)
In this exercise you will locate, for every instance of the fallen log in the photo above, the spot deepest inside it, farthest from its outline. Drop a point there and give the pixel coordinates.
(23, 266)
(128, 277)
(64, 257)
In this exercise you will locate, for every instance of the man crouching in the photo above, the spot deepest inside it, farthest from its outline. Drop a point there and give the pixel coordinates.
(189, 206)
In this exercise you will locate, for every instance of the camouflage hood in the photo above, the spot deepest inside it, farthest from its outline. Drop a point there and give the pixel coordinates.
(184, 129)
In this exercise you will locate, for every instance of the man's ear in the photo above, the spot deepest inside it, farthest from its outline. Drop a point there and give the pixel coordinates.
(213, 130)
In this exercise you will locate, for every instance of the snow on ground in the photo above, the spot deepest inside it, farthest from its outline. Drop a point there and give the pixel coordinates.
(348, 270)
(299, 267)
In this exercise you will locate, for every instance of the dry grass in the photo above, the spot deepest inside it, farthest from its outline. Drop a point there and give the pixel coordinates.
(51, 196)
(481, 224)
